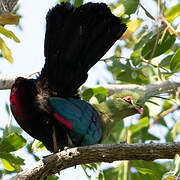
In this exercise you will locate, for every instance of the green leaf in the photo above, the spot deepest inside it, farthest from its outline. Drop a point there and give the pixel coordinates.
(9, 34)
(166, 61)
(78, 3)
(116, 173)
(11, 129)
(7, 109)
(12, 143)
(52, 178)
(120, 65)
(6, 53)
(60, 1)
(117, 134)
(135, 57)
(134, 75)
(141, 124)
(130, 6)
(126, 77)
(37, 145)
(156, 169)
(173, 12)
(175, 169)
(87, 94)
(175, 62)
(100, 93)
(118, 51)
(100, 90)
(143, 41)
(163, 45)
(144, 170)
(176, 130)
(147, 13)
(11, 161)
(169, 136)
(7, 165)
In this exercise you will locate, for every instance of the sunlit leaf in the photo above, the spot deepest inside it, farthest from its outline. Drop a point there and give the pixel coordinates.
(7, 165)
(12, 143)
(141, 124)
(64, 1)
(11, 161)
(175, 62)
(6, 53)
(100, 93)
(145, 171)
(174, 170)
(37, 145)
(9, 34)
(9, 19)
(135, 57)
(172, 12)
(78, 3)
(130, 6)
(132, 27)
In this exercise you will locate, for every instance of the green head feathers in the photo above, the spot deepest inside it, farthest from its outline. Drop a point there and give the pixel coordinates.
(132, 99)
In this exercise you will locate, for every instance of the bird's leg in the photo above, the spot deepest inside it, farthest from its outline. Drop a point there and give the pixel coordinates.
(70, 143)
(54, 140)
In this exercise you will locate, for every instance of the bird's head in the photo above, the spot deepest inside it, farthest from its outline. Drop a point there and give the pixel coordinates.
(131, 99)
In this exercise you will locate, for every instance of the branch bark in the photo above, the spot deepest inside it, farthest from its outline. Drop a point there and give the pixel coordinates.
(98, 153)
(6, 81)
(6, 6)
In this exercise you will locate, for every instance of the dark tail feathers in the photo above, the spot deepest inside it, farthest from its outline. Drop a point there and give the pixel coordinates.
(76, 38)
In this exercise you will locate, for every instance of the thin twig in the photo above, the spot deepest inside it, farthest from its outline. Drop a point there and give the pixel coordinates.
(142, 59)
(164, 113)
(163, 19)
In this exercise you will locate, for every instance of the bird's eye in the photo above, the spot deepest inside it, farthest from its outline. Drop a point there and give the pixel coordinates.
(128, 99)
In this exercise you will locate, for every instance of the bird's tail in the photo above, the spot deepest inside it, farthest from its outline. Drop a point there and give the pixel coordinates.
(76, 38)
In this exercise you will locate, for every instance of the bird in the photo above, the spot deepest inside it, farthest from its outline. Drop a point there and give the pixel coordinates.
(49, 107)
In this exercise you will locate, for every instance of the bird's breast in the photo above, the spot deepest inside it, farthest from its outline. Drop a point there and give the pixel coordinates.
(16, 103)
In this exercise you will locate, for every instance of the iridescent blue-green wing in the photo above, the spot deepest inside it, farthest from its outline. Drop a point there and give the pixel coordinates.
(81, 120)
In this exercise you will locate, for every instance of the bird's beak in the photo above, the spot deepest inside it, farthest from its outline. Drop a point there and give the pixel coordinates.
(140, 110)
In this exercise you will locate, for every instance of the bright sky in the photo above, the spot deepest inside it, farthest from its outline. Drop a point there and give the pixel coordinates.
(28, 58)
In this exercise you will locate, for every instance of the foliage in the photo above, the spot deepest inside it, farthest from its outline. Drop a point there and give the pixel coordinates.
(149, 53)
(7, 19)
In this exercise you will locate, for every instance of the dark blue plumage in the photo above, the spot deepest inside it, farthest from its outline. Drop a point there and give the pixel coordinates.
(86, 123)
(49, 108)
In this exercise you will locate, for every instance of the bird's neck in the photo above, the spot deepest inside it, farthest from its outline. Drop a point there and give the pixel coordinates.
(111, 112)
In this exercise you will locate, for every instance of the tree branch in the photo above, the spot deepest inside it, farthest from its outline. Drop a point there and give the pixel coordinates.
(6, 6)
(98, 153)
(163, 114)
(158, 88)
(6, 81)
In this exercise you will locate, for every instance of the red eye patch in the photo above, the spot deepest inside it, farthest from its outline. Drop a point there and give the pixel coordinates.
(128, 99)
